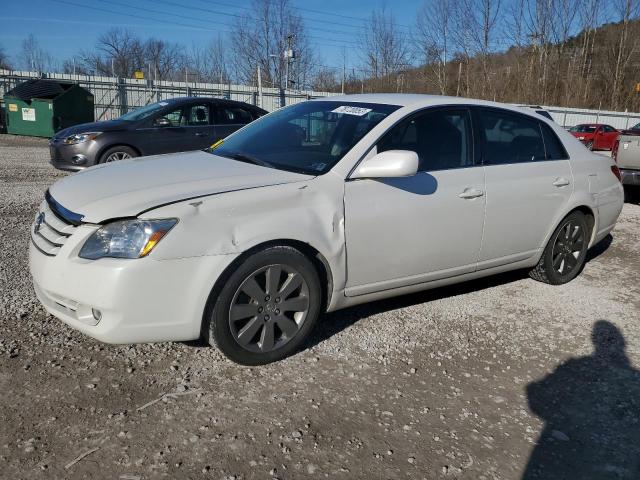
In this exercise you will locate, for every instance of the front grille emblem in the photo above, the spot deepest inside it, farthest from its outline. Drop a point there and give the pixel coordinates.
(39, 222)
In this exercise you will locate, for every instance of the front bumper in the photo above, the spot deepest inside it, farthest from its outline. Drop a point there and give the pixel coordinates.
(630, 177)
(141, 300)
(72, 157)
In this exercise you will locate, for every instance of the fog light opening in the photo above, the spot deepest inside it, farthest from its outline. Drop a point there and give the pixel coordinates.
(97, 314)
(79, 159)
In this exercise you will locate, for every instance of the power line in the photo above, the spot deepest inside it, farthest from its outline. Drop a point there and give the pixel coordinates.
(169, 3)
(306, 19)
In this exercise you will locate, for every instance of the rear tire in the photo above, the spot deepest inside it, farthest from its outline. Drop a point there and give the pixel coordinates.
(119, 152)
(266, 309)
(565, 254)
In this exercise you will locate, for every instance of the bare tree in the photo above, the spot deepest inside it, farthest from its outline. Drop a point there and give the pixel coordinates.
(260, 39)
(623, 48)
(162, 59)
(433, 30)
(384, 48)
(483, 16)
(588, 13)
(118, 52)
(325, 80)
(515, 31)
(35, 57)
(4, 59)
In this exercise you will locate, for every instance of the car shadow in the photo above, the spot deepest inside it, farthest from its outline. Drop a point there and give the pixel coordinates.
(599, 248)
(334, 322)
(591, 411)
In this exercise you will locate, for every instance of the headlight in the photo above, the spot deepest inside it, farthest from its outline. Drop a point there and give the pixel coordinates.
(80, 138)
(580, 138)
(126, 238)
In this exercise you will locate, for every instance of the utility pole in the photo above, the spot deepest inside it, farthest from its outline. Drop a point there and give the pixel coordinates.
(344, 66)
(259, 87)
(288, 56)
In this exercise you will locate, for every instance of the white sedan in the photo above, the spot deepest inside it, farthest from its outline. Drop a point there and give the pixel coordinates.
(313, 208)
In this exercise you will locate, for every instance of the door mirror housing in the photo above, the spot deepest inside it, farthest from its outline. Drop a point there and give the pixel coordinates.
(389, 164)
(162, 122)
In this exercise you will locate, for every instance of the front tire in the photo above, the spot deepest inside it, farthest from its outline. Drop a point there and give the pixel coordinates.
(119, 152)
(565, 254)
(266, 308)
(589, 145)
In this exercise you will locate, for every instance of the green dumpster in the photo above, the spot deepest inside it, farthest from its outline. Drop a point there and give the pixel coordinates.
(42, 107)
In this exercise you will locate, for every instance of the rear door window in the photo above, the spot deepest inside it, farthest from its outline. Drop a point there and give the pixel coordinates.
(510, 138)
(232, 115)
(199, 115)
(552, 144)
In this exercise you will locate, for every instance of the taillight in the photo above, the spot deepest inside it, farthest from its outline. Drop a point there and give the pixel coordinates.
(614, 150)
(616, 171)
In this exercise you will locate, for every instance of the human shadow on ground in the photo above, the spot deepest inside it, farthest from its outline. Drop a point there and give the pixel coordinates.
(591, 409)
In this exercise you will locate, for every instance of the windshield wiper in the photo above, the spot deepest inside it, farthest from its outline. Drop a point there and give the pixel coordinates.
(243, 157)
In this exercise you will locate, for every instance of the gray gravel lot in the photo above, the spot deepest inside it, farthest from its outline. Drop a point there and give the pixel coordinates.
(492, 379)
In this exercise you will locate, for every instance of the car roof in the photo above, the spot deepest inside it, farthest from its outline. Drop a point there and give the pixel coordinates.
(174, 100)
(417, 100)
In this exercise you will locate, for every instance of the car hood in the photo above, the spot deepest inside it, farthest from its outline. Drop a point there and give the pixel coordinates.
(129, 187)
(105, 126)
(581, 134)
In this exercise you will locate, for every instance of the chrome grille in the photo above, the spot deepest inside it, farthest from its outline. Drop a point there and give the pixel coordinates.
(49, 232)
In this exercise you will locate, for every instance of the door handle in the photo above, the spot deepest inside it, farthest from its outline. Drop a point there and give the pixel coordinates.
(200, 134)
(561, 182)
(470, 193)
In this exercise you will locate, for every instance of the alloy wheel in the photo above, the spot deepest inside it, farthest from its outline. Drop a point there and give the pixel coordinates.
(568, 247)
(115, 156)
(269, 308)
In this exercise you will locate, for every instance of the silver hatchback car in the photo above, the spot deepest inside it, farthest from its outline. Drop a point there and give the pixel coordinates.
(316, 207)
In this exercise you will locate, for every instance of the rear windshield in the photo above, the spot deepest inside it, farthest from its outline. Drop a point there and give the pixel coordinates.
(310, 137)
(583, 129)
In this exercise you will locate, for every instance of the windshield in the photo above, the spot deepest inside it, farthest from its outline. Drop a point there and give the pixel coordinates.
(583, 129)
(310, 137)
(636, 127)
(143, 112)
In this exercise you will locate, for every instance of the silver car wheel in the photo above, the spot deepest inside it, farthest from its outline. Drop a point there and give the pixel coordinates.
(269, 308)
(115, 156)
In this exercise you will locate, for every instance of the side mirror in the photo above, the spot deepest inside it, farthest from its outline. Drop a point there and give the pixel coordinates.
(162, 122)
(389, 164)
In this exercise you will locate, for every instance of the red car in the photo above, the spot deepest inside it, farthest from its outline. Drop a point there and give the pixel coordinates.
(595, 136)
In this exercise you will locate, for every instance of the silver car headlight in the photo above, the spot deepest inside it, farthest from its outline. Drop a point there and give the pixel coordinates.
(126, 238)
(80, 138)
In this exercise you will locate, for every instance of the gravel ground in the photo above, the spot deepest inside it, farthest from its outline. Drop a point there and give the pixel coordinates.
(491, 379)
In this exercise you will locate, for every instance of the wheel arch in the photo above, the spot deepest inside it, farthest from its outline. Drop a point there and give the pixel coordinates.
(318, 260)
(590, 216)
(117, 144)
(582, 207)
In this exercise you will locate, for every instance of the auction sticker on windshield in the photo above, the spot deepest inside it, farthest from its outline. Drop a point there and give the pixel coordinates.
(359, 111)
